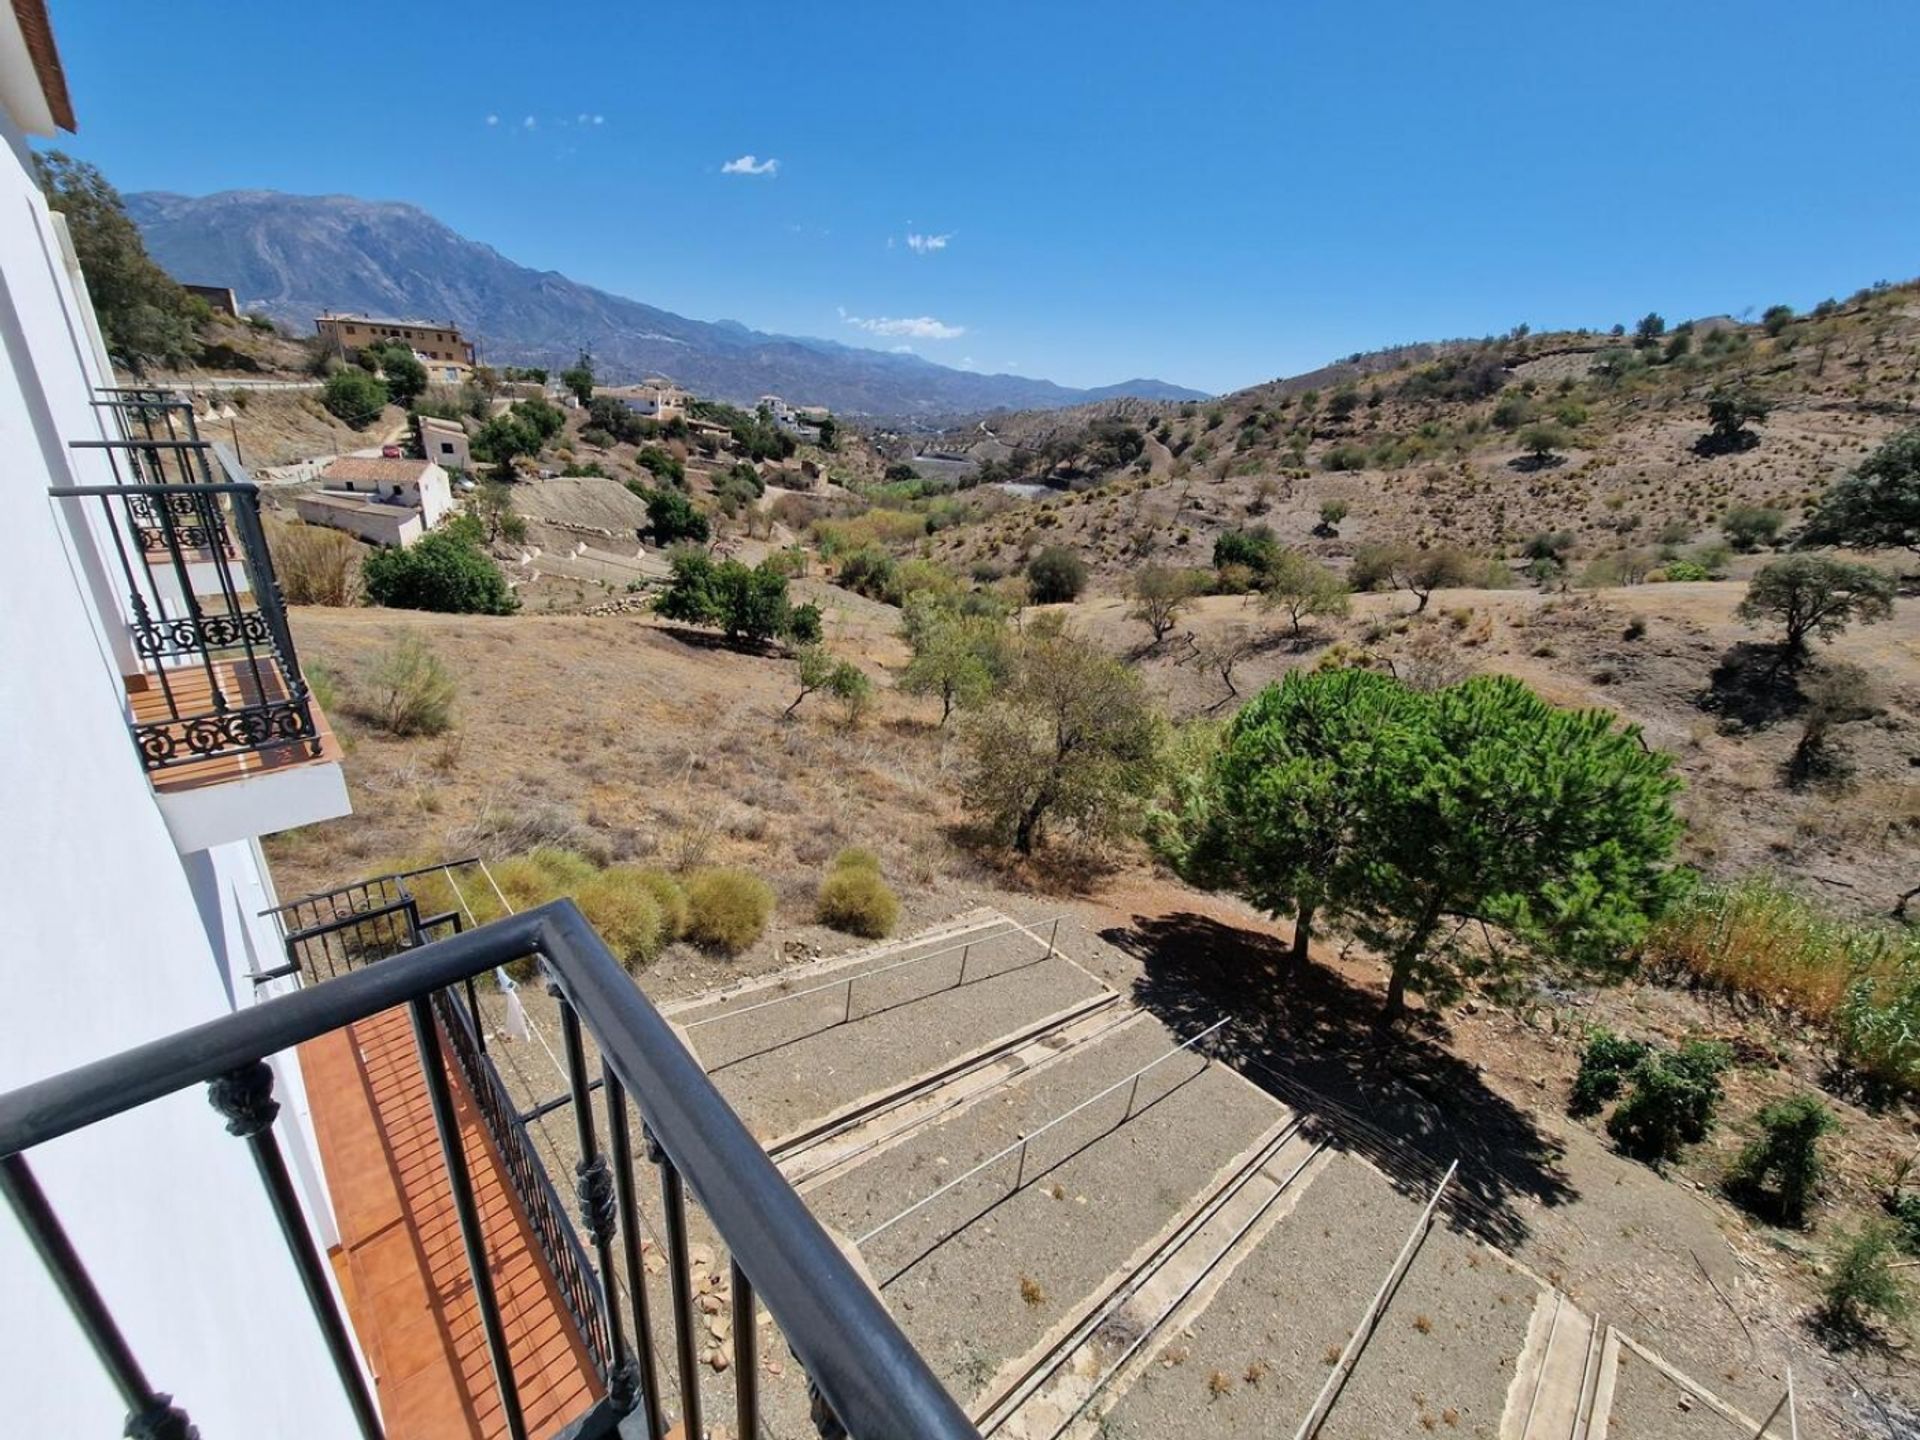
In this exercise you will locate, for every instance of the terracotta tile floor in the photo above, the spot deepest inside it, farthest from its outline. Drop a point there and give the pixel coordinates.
(402, 1267)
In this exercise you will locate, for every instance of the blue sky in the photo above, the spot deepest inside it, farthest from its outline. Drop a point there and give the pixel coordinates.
(1209, 193)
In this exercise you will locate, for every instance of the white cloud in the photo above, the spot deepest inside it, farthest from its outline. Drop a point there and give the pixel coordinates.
(917, 327)
(599, 119)
(529, 123)
(751, 165)
(927, 244)
(493, 119)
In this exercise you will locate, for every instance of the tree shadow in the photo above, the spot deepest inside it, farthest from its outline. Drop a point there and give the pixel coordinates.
(1714, 443)
(1409, 1107)
(1754, 685)
(1534, 464)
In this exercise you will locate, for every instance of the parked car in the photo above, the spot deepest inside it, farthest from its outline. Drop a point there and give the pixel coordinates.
(392, 452)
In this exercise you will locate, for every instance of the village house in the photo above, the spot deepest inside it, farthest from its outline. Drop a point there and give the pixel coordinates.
(390, 502)
(437, 344)
(444, 442)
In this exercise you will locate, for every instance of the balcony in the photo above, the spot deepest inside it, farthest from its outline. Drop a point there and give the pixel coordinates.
(218, 711)
(598, 1339)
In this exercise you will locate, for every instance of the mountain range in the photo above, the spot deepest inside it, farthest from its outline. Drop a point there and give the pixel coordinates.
(293, 256)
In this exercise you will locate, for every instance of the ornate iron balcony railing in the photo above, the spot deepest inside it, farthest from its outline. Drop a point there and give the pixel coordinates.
(218, 670)
(869, 1380)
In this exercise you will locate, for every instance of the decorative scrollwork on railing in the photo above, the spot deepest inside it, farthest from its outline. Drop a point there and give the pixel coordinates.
(191, 635)
(152, 506)
(157, 541)
(180, 742)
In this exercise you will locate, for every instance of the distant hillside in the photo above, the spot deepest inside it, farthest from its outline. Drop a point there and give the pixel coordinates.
(292, 256)
(1587, 443)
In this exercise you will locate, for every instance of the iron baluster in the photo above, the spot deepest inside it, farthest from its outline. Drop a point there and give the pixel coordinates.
(620, 1143)
(244, 1098)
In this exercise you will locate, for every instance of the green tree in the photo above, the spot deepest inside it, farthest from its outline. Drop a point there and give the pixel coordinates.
(1159, 595)
(748, 604)
(1651, 327)
(1419, 571)
(1748, 527)
(1814, 597)
(400, 368)
(1302, 587)
(1332, 512)
(1777, 318)
(440, 571)
(849, 684)
(1730, 409)
(1541, 441)
(1055, 576)
(672, 518)
(1878, 506)
(812, 669)
(1071, 743)
(1780, 1168)
(355, 397)
(146, 318)
(957, 657)
(578, 377)
(1256, 547)
(492, 506)
(1285, 813)
(662, 465)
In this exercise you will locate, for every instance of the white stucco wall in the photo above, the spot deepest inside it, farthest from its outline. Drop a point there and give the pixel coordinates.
(107, 948)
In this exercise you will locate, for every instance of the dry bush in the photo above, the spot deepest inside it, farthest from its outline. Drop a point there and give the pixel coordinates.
(407, 690)
(854, 899)
(727, 909)
(619, 904)
(670, 899)
(315, 565)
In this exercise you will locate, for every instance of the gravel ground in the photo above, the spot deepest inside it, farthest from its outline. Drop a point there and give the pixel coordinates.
(789, 1064)
(1288, 1306)
(977, 1277)
(1475, 1308)
(1647, 1406)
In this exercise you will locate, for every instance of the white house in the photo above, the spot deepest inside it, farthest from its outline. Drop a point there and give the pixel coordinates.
(445, 443)
(390, 502)
(132, 884)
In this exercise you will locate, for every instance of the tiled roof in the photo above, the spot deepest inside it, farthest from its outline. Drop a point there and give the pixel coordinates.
(374, 470)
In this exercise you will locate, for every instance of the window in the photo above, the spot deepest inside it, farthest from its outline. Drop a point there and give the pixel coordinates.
(446, 447)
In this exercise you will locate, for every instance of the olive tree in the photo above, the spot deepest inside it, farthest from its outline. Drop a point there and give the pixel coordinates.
(1159, 595)
(1071, 743)
(1878, 506)
(1303, 588)
(1815, 597)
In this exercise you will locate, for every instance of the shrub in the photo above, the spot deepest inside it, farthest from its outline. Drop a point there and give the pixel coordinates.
(619, 904)
(1689, 571)
(1878, 1021)
(1747, 527)
(407, 690)
(1671, 1102)
(1779, 1170)
(854, 898)
(316, 566)
(1861, 1280)
(442, 571)
(857, 857)
(727, 910)
(1604, 1067)
(1056, 575)
(671, 516)
(354, 396)
(669, 898)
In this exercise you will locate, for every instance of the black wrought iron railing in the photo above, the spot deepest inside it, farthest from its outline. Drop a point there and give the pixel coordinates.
(209, 628)
(336, 931)
(870, 1381)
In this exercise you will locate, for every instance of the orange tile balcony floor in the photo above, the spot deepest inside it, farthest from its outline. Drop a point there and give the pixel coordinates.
(401, 1264)
(193, 695)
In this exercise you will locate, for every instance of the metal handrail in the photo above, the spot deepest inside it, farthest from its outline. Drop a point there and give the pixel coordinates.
(863, 1366)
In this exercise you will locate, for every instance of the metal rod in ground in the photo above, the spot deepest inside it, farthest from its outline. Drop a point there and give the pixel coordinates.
(1356, 1342)
(1052, 939)
(1021, 1144)
(1011, 930)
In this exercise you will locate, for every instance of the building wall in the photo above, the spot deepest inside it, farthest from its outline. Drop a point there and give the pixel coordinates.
(394, 525)
(436, 342)
(106, 949)
(445, 444)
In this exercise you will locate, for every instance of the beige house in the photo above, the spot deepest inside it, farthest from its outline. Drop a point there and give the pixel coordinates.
(382, 522)
(436, 342)
(444, 442)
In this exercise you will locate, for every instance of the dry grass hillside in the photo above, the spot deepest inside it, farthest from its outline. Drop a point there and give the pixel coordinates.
(1427, 445)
